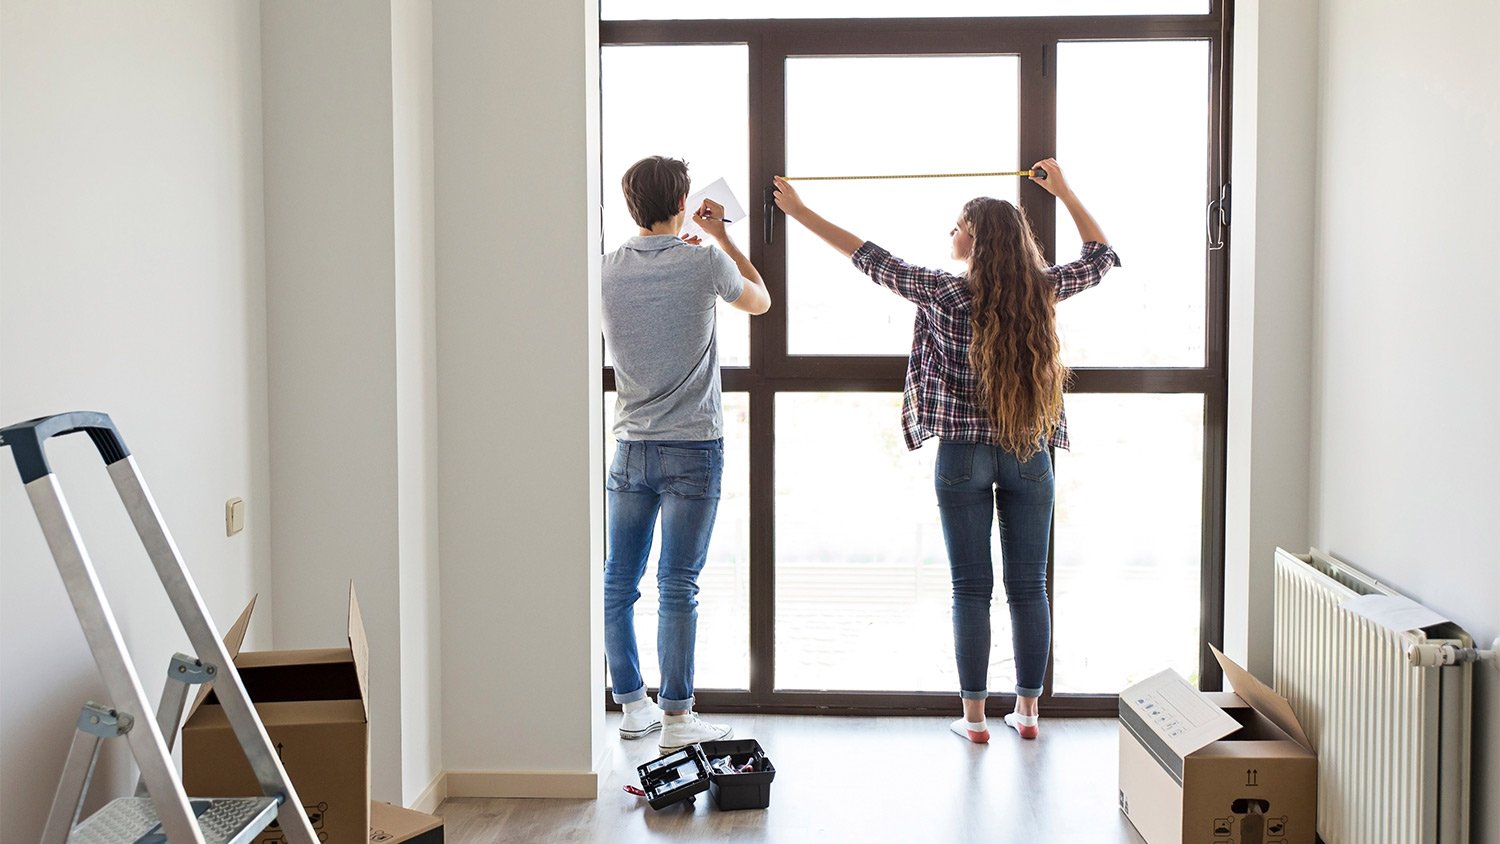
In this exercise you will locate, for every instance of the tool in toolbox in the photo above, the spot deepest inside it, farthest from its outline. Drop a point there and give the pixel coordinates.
(161, 811)
(736, 773)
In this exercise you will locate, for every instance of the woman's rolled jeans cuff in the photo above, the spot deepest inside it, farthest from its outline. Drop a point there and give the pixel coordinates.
(965, 694)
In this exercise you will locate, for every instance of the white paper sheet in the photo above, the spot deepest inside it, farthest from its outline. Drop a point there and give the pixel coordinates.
(1393, 612)
(719, 192)
(1179, 713)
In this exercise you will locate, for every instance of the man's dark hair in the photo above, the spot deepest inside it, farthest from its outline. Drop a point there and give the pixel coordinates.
(653, 187)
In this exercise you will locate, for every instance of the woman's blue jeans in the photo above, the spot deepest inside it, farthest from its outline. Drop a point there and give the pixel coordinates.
(679, 481)
(974, 481)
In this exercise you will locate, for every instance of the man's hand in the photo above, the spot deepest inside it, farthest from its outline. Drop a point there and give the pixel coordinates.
(787, 198)
(710, 218)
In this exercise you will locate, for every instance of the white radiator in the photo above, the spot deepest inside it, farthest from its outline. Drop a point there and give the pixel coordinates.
(1392, 739)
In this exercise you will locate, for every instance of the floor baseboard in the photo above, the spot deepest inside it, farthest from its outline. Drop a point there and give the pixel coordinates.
(582, 784)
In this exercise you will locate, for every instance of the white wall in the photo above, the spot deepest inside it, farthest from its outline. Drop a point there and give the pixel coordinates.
(349, 279)
(1270, 304)
(132, 282)
(516, 111)
(416, 396)
(1405, 453)
(330, 281)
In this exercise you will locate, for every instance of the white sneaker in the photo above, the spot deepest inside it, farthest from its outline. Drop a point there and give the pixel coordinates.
(641, 718)
(679, 731)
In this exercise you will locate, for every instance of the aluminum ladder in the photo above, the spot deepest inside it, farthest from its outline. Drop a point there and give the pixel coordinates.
(161, 810)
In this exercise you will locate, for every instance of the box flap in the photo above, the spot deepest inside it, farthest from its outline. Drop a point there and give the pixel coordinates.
(359, 647)
(303, 656)
(1262, 699)
(324, 713)
(234, 639)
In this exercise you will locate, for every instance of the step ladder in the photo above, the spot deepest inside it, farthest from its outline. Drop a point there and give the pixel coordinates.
(161, 811)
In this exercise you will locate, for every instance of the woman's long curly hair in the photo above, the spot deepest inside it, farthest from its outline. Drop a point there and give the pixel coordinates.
(1014, 352)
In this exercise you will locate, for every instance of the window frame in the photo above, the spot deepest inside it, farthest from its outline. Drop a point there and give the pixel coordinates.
(771, 371)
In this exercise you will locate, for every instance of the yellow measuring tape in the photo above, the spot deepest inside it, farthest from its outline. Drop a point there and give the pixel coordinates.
(1027, 173)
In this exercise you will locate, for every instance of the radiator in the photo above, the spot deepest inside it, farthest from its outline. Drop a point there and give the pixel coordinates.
(1392, 739)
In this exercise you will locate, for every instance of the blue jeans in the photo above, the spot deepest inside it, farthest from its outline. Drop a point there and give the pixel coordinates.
(680, 481)
(973, 481)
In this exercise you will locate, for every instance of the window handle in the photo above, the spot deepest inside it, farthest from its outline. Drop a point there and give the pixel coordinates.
(1214, 223)
(768, 214)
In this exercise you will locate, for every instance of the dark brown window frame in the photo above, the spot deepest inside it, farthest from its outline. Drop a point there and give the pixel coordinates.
(1034, 40)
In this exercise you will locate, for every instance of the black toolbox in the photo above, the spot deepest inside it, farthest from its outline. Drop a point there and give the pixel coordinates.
(736, 773)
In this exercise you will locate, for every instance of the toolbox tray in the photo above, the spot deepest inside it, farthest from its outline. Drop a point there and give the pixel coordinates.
(684, 774)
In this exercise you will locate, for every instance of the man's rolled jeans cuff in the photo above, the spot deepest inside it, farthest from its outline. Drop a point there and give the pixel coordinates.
(630, 697)
(674, 705)
(1022, 691)
(968, 695)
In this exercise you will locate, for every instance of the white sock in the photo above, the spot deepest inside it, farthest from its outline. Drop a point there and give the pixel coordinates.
(1026, 725)
(971, 730)
(636, 704)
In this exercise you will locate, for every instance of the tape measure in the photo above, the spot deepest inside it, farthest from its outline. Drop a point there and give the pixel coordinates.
(1038, 172)
(768, 196)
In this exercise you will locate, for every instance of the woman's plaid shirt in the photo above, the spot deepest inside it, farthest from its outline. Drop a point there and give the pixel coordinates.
(939, 398)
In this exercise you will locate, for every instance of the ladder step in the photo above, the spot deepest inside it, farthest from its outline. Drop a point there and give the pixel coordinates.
(132, 820)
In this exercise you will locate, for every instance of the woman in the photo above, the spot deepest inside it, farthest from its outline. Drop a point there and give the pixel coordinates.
(986, 378)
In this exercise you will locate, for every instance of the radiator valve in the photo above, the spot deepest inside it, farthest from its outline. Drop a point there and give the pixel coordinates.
(1437, 655)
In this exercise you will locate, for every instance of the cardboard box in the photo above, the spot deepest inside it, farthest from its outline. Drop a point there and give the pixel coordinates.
(394, 825)
(1215, 767)
(313, 705)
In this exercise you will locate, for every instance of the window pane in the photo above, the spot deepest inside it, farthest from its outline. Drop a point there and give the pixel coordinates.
(1128, 541)
(831, 307)
(1148, 312)
(723, 650)
(710, 133)
(762, 9)
(863, 594)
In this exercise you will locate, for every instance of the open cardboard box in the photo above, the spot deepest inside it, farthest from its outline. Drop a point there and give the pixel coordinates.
(1215, 767)
(394, 825)
(313, 705)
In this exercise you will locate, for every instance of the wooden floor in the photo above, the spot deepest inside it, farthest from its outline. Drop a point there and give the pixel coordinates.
(850, 779)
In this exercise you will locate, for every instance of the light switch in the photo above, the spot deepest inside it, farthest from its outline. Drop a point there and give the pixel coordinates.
(234, 516)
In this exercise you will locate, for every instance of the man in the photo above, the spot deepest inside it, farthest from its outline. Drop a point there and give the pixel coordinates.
(659, 306)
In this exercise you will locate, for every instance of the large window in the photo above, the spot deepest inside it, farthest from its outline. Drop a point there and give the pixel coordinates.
(827, 586)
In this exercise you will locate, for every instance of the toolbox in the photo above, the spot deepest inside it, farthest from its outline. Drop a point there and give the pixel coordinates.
(736, 773)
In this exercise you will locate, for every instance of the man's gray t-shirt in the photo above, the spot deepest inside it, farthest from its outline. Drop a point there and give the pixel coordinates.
(659, 307)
